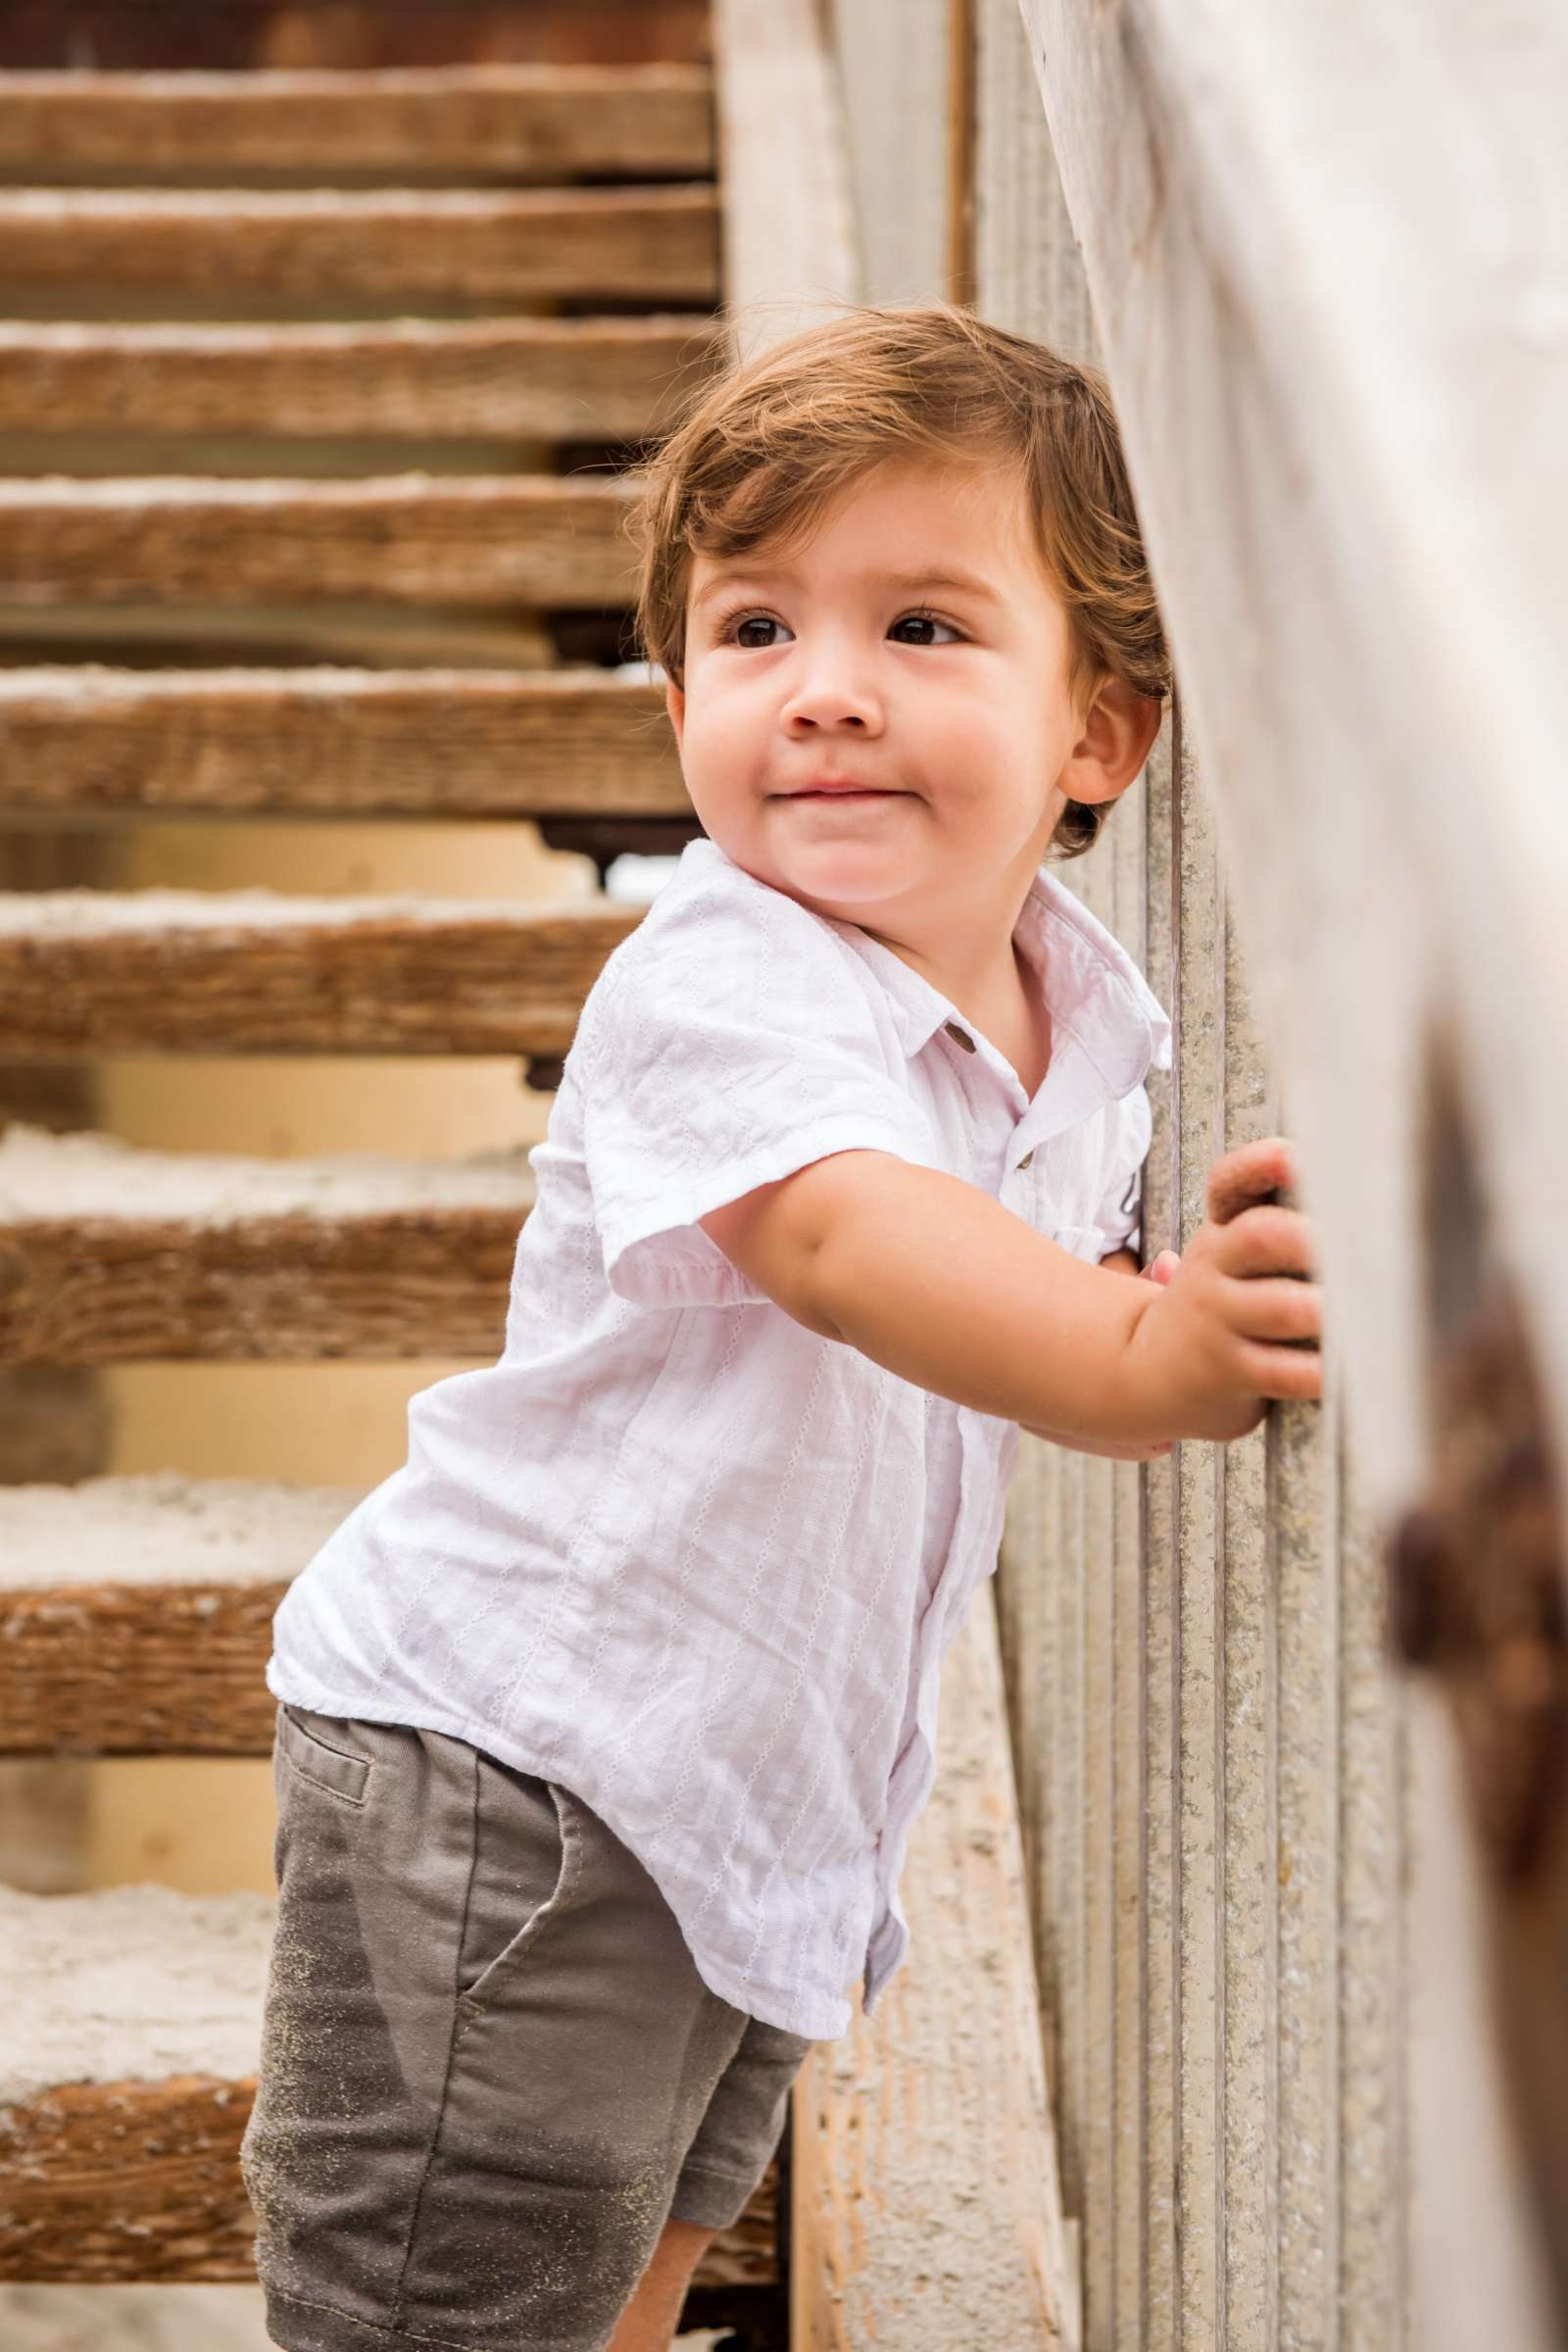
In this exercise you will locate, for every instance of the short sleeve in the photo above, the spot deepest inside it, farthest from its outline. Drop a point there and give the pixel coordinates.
(1120, 1212)
(734, 1037)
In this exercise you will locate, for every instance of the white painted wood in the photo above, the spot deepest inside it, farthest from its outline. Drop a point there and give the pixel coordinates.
(1326, 250)
(1208, 1733)
(791, 250)
(894, 66)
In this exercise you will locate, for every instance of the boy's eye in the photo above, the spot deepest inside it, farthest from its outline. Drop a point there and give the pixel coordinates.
(925, 621)
(733, 630)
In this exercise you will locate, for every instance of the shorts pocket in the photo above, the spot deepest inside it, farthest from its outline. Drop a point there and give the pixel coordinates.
(525, 1864)
(317, 1759)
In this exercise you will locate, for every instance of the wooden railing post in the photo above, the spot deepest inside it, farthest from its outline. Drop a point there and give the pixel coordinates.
(1209, 1740)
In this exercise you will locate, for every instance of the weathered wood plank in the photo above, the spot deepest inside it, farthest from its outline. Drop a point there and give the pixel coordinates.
(399, 539)
(136, 1613)
(781, 127)
(479, 121)
(1338, 234)
(417, 379)
(256, 971)
(113, 1255)
(428, 743)
(653, 244)
(926, 2205)
(110, 2174)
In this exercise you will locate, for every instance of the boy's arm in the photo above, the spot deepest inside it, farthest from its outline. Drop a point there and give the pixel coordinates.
(935, 1280)
(1120, 1261)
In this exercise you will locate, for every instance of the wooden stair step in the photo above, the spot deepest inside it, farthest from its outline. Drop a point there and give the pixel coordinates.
(263, 972)
(85, 738)
(137, 1612)
(110, 1254)
(490, 378)
(410, 538)
(128, 2072)
(657, 244)
(474, 120)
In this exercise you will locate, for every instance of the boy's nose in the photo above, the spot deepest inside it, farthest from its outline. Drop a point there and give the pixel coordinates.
(832, 703)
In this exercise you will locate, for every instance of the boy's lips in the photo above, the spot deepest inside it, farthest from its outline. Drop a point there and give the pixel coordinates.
(835, 791)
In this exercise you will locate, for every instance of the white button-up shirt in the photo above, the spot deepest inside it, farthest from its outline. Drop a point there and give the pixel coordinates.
(673, 1549)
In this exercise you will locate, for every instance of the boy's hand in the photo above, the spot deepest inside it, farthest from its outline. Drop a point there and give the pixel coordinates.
(1235, 1324)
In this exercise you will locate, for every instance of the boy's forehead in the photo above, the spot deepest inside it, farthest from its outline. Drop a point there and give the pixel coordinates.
(911, 525)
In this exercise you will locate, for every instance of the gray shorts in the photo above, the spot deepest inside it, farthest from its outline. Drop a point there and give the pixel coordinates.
(490, 2071)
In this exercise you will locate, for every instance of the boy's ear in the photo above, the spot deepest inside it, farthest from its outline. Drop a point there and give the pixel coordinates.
(676, 704)
(1118, 734)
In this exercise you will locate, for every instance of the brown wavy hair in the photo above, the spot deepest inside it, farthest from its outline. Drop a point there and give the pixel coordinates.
(757, 455)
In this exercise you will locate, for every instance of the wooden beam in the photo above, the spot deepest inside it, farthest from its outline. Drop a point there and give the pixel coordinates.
(478, 121)
(249, 971)
(417, 378)
(791, 250)
(136, 1613)
(652, 244)
(926, 2205)
(82, 739)
(113, 1255)
(399, 539)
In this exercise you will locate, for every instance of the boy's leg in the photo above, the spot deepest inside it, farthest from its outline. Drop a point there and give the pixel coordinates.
(648, 2321)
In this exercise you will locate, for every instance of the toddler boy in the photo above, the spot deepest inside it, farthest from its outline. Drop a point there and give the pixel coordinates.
(603, 1721)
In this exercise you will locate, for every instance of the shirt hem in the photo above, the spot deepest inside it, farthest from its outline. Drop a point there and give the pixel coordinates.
(812, 2021)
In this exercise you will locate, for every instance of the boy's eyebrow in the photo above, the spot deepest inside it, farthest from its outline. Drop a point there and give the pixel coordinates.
(906, 582)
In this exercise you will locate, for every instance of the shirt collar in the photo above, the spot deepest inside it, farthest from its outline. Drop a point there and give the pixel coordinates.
(1093, 989)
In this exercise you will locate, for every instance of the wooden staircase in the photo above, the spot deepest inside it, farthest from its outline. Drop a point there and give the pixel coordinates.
(155, 501)
(319, 395)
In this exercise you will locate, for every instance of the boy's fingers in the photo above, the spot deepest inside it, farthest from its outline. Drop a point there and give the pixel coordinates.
(1290, 1312)
(1249, 1174)
(1265, 1240)
(1291, 1373)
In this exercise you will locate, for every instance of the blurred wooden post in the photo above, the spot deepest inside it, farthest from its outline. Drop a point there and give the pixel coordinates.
(1207, 1738)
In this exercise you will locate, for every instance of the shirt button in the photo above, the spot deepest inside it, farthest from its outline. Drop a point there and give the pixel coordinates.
(1024, 1162)
(960, 1037)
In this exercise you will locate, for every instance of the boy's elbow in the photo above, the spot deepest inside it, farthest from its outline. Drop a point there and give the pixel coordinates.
(777, 1247)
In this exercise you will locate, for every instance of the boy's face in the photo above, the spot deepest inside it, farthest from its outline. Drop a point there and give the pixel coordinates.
(911, 645)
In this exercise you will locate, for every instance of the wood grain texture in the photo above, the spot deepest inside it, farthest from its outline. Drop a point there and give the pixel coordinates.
(380, 1285)
(781, 128)
(927, 2207)
(183, 972)
(430, 743)
(478, 121)
(1324, 248)
(137, 1670)
(1209, 1732)
(104, 2181)
(402, 539)
(653, 244)
(493, 378)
